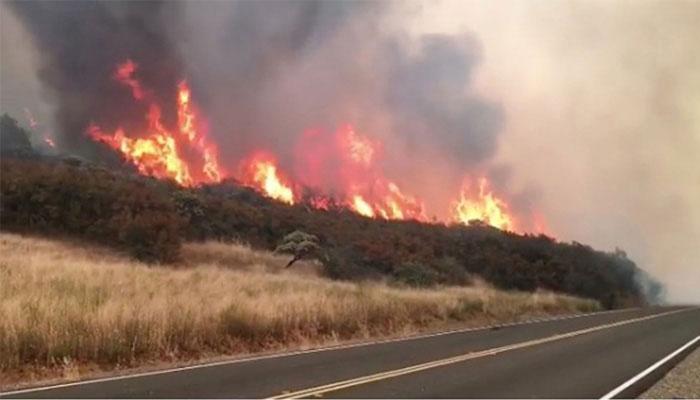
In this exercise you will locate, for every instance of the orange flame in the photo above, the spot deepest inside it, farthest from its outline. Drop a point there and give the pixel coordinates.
(360, 149)
(345, 163)
(34, 126)
(158, 152)
(360, 206)
(185, 115)
(124, 74)
(390, 204)
(373, 195)
(486, 207)
(261, 172)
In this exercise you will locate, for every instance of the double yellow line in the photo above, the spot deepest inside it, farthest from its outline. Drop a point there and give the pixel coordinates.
(331, 387)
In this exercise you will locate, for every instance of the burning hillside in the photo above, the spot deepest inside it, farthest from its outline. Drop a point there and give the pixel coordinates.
(319, 116)
(344, 166)
(184, 155)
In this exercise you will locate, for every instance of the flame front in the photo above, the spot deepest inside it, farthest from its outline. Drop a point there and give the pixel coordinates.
(345, 163)
(261, 172)
(372, 195)
(388, 202)
(158, 152)
(484, 207)
(361, 206)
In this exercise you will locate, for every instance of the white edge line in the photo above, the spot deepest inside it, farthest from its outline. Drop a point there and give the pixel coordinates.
(647, 371)
(332, 387)
(309, 351)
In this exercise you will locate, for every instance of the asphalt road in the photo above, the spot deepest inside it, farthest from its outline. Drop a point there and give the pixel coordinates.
(580, 357)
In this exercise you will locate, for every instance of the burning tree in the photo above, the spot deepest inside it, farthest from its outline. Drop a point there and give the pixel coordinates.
(299, 244)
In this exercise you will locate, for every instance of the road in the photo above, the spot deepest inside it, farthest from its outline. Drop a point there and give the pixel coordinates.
(576, 357)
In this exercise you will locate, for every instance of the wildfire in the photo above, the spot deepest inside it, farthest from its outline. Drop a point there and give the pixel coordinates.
(34, 126)
(187, 125)
(372, 195)
(362, 207)
(484, 207)
(360, 149)
(124, 74)
(387, 202)
(261, 172)
(158, 152)
(156, 155)
(185, 115)
(343, 162)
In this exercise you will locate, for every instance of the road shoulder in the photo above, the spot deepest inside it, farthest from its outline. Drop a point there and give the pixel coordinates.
(683, 381)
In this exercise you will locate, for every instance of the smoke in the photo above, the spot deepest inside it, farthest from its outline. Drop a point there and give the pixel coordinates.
(588, 109)
(20, 91)
(79, 44)
(276, 70)
(266, 73)
(602, 114)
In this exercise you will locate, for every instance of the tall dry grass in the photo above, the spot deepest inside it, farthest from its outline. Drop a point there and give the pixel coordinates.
(62, 303)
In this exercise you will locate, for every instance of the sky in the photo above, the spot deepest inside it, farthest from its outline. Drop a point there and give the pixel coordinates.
(602, 118)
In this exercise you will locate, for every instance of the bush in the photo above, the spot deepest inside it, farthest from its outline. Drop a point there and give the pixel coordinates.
(90, 204)
(149, 218)
(414, 274)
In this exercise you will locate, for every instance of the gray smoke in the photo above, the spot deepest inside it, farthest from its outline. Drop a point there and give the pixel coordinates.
(274, 70)
(80, 43)
(603, 113)
(264, 72)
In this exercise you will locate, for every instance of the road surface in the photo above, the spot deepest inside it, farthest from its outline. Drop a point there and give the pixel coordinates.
(585, 356)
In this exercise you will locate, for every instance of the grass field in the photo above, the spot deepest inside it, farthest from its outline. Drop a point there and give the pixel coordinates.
(67, 309)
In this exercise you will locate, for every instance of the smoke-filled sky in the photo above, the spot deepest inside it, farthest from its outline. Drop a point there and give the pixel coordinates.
(602, 117)
(586, 111)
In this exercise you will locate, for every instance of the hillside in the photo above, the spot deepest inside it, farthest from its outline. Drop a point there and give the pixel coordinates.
(150, 219)
(70, 309)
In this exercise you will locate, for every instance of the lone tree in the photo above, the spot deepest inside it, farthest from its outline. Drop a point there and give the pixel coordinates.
(300, 245)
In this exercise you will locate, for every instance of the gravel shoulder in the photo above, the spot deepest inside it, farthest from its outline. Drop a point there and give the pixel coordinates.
(682, 382)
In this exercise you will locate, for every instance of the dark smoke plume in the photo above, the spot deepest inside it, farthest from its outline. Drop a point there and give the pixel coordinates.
(80, 44)
(264, 72)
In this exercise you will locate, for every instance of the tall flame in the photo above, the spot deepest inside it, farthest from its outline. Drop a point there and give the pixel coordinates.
(158, 151)
(361, 206)
(484, 207)
(345, 163)
(372, 195)
(260, 171)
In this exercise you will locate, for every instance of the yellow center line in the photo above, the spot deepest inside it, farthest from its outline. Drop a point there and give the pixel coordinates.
(319, 390)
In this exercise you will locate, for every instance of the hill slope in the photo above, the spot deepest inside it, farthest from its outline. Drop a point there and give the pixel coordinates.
(69, 308)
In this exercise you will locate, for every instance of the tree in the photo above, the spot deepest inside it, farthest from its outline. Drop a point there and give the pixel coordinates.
(299, 244)
(13, 139)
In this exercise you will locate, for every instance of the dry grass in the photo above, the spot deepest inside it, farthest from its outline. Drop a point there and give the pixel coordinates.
(63, 304)
(241, 257)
